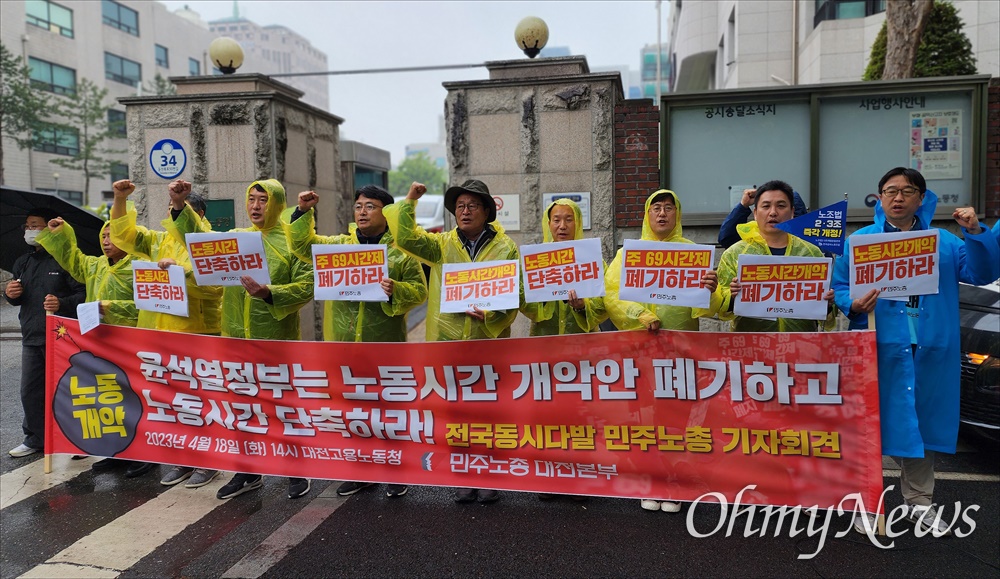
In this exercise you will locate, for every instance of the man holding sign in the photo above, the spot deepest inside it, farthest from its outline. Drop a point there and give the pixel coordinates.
(357, 321)
(574, 315)
(476, 238)
(662, 222)
(773, 205)
(918, 336)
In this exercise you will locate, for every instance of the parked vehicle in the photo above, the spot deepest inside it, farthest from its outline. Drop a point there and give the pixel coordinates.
(430, 212)
(979, 310)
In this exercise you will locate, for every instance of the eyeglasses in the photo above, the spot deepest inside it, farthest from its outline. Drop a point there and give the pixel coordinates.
(662, 208)
(367, 207)
(471, 207)
(27, 227)
(890, 192)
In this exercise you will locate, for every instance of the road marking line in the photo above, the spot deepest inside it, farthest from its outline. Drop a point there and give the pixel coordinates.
(120, 544)
(59, 570)
(294, 531)
(30, 479)
(966, 476)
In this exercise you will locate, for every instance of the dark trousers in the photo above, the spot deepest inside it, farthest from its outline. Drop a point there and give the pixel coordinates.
(33, 395)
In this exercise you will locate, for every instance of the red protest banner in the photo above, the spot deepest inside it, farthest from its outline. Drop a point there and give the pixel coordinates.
(625, 414)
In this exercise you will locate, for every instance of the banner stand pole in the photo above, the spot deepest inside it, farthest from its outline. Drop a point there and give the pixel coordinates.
(47, 463)
(881, 517)
(49, 355)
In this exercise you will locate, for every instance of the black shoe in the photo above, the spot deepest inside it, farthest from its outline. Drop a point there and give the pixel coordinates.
(139, 468)
(488, 496)
(107, 464)
(298, 487)
(393, 491)
(350, 487)
(239, 484)
(546, 497)
(465, 495)
(79, 456)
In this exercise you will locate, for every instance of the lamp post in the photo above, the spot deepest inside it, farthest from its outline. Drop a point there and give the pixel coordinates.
(226, 54)
(55, 177)
(531, 35)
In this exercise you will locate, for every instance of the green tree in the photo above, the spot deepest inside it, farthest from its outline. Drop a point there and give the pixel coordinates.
(21, 106)
(944, 49)
(86, 113)
(160, 86)
(419, 168)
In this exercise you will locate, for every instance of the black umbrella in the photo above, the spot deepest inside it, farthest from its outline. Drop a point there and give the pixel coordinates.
(14, 207)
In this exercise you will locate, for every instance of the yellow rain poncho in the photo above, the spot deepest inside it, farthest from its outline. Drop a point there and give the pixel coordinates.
(364, 321)
(291, 284)
(556, 318)
(753, 243)
(436, 249)
(630, 315)
(204, 315)
(111, 284)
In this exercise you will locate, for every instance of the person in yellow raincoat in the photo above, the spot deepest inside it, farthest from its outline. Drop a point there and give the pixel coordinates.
(476, 238)
(345, 321)
(263, 312)
(562, 221)
(108, 278)
(661, 222)
(773, 205)
(168, 248)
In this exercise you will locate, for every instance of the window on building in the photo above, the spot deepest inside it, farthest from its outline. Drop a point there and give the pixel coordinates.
(117, 172)
(116, 123)
(162, 56)
(194, 67)
(74, 197)
(58, 141)
(841, 9)
(50, 16)
(122, 70)
(52, 77)
(121, 17)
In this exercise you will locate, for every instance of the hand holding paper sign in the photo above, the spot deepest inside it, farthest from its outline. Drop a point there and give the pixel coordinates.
(388, 286)
(477, 313)
(866, 303)
(255, 289)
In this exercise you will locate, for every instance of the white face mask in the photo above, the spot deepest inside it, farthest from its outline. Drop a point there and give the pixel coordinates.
(30, 235)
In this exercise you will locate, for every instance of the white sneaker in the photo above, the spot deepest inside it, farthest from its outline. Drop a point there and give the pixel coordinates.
(649, 504)
(928, 521)
(860, 522)
(670, 507)
(22, 450)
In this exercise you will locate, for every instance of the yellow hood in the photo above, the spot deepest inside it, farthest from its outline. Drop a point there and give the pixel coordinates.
(547, 233)
(275, 201)
(677, 232)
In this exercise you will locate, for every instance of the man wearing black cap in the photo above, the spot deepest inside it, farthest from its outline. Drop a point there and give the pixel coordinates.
(39, 286)
(476, 238)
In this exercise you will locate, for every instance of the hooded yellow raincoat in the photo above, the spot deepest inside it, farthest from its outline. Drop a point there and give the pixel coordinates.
(436, 249)
(753, 243)
(291, 279)
(628, 315)
(364, 321)
(204, 316)
(107, 282)
(556, 318)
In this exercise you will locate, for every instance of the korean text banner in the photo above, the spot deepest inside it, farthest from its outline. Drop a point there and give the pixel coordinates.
(223, 258)
(824, 227)
(783, 287)
(487, 285)
(897, 264)
(551, 270)
(654, 272)
(351, 273)
(622, 414)
(159, 290)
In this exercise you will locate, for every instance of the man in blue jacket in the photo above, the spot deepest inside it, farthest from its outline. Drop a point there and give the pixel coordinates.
(918, 340)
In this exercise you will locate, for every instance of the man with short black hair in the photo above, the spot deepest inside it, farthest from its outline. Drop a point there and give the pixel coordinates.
(918, 339)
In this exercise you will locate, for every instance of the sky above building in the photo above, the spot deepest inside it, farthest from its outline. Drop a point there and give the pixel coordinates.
(390, 110)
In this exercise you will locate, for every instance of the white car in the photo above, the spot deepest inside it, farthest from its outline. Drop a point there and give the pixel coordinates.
(430, 212)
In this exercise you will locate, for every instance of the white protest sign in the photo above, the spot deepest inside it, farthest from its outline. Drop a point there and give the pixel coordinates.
(159, 290)
(489, 285)
(657, 272)
(773, 286)
(350, 272)
(223, 258)
(551, 270)
(900, 264)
